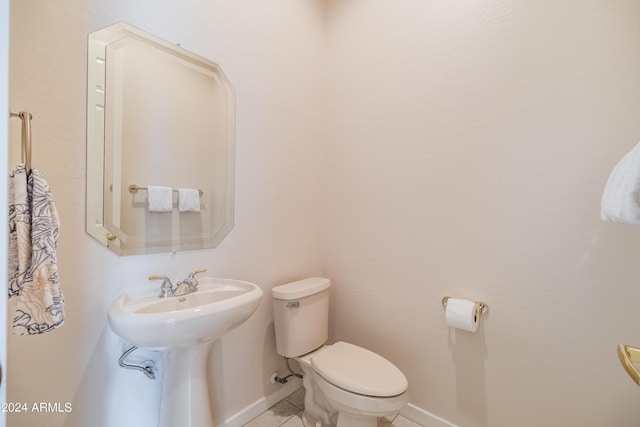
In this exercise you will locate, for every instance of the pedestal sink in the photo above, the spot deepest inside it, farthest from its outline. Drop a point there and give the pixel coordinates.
(184, 328)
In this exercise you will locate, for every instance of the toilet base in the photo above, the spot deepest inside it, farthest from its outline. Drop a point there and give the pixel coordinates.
(328, 406)
(344, 420)
(311, 421)
(348, 420)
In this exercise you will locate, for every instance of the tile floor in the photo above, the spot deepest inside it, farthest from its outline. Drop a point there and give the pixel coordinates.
(288, 413)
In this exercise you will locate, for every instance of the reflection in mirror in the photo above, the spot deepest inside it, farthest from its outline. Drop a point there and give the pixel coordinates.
(159, 116)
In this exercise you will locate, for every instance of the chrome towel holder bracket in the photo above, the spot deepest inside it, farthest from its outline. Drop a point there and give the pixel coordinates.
(25, 151)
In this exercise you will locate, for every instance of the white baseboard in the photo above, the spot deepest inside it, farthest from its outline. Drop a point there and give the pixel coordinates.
(424, 418)
(258, 407)
(411, 412)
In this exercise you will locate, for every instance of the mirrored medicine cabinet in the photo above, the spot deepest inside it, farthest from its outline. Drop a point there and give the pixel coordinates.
(157, 115)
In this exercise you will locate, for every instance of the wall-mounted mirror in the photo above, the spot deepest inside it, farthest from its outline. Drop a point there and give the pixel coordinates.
(161, 116)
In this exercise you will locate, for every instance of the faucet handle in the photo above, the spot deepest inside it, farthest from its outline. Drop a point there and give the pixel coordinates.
(191, 280)
(166, 288)
(192, 275)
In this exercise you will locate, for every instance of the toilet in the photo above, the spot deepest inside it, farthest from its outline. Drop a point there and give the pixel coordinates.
(345, 385)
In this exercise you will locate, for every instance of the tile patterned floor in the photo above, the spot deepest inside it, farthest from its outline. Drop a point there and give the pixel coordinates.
(288, 413)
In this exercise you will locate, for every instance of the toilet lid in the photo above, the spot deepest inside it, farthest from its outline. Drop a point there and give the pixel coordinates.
(359, 370)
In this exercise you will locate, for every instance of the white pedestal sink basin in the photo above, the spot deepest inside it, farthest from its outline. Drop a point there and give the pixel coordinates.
(184, 328)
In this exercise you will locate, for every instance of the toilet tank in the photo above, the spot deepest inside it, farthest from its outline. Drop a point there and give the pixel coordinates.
(301, 315)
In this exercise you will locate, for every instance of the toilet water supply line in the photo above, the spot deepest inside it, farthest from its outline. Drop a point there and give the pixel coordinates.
(284, 380)
(145, 367)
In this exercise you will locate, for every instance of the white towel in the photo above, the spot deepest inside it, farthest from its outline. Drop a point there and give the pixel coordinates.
(188, 200)
(620, 198)
(160, 198)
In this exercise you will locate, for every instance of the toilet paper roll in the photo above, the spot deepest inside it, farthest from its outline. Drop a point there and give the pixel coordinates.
(461, 314)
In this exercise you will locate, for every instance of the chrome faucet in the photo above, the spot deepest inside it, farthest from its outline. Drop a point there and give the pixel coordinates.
(184, 287)
(189, 284)
(166, 288)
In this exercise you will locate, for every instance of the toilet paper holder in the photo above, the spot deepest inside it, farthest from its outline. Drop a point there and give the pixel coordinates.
(481, 307)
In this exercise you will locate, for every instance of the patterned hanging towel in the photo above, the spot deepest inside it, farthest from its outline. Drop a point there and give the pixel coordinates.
(33, 239)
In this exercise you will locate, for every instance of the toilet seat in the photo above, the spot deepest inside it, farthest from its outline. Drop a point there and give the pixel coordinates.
(359, 370)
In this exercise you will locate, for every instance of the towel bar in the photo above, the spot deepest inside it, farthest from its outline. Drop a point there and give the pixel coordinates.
(133, 188)
(25, 149)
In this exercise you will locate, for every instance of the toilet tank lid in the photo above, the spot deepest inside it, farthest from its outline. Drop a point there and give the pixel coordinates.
(300, 289)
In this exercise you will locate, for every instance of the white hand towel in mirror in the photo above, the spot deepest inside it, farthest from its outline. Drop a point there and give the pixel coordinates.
(160, 198)
(620, 198)
(188, 200)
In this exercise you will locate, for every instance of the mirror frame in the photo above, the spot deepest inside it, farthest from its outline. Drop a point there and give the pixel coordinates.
(95, 167)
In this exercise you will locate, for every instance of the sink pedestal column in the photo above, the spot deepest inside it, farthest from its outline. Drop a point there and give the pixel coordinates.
(185, 395)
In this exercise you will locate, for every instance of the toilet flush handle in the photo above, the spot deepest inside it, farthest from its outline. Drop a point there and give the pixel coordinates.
(293, 304)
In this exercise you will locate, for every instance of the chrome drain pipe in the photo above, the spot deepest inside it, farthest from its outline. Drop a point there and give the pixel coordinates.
(145, 367)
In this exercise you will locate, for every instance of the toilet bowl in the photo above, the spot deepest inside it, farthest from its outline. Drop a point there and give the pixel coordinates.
(345, 385)
(356, 386)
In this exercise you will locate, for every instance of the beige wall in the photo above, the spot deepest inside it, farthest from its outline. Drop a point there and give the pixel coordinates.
(462, 147)
(468, 146)
(279, 167)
